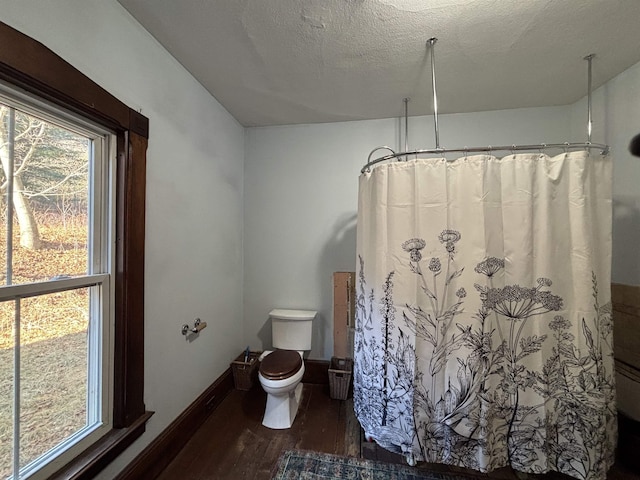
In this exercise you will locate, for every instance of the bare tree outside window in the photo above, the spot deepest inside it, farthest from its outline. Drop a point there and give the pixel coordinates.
(47, 174)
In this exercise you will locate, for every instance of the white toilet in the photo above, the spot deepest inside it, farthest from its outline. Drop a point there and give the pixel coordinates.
(281, 370)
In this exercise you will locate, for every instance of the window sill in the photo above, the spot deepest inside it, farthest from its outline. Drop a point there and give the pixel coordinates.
(87, 465)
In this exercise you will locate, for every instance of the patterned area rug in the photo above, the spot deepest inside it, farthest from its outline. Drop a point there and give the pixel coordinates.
(301, 465)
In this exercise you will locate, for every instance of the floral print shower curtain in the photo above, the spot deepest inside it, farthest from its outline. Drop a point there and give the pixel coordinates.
(483, 320)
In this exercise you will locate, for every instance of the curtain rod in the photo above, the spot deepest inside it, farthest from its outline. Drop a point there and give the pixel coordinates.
(604, 150)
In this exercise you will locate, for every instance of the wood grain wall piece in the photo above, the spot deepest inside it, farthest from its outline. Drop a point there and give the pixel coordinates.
(625, 301)
(343, 307)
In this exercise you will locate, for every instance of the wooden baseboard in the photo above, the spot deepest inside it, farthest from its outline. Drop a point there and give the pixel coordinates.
(316, 371)
(162, 450)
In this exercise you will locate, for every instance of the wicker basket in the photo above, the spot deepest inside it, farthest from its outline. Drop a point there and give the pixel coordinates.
(340, 372)
(245, 374)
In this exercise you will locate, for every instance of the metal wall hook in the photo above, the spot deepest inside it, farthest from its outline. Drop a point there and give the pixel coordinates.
(197, 326)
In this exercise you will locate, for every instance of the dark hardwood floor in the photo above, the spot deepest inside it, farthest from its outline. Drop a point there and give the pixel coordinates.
(233, 444)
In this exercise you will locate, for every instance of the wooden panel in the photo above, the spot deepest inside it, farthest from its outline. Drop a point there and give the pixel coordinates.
(161, 451)
(342, 312)
(130, 247)
(626, 323)
(626, 341)
(138, 123)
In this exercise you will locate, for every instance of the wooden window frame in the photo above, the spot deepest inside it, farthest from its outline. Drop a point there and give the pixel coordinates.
(30, 65)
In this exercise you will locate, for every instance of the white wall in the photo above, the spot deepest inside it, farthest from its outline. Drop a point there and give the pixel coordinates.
(301, 199)
(616, 120)
(194, 196)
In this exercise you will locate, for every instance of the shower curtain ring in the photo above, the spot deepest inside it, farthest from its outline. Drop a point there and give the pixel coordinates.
(466, 152)
(513, 149)
(566, 147)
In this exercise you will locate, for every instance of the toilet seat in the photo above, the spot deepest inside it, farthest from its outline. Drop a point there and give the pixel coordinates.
(280, 364)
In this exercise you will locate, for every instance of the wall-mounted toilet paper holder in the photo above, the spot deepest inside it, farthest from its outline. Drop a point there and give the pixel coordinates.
(197, 326)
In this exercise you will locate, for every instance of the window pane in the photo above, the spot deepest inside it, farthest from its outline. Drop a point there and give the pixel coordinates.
(7, 328)
(50, 198)
(53, 370)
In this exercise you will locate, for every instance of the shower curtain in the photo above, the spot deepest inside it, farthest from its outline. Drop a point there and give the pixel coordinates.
(483, 324)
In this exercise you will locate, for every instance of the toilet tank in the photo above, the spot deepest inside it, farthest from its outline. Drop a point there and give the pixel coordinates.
(291, 329)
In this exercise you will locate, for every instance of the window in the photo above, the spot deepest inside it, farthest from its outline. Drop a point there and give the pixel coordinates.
(115, 141)
(56, 290)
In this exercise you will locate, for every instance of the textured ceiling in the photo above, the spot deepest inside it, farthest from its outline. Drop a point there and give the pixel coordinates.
(307, 61)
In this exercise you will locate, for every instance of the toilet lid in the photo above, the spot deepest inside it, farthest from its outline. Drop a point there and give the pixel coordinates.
(280, 364)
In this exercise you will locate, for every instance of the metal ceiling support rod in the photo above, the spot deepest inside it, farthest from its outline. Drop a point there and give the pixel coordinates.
(406, 123)
(439, 151)
(431, 43)
(589, 59)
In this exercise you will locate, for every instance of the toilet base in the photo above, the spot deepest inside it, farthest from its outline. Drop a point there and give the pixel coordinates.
(282, 410)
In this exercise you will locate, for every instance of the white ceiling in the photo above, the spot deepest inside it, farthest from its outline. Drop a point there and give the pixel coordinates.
(275, 62)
